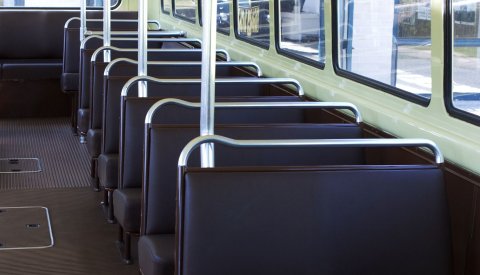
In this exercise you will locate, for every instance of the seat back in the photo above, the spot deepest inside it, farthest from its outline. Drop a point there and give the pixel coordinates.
(129, 70)
(71, 44)
(165, 142)
(323, 220)
(132, 132)
(112, 101)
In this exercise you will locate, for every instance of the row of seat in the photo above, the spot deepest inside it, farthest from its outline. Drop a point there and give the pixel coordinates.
(263, 210)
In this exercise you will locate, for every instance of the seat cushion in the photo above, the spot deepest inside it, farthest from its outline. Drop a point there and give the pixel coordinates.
(108, 170)
(83, 120)
(70, 83)
(156, 254)
(94, 139)
(126, 208)
(32, 69)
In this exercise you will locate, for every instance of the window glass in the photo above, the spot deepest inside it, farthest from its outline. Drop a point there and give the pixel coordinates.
(223, 16)
(186, 9)
(166, 6)
(302, 28)
(387, 41)
(253, 20)
(51, 3)
(466, 56)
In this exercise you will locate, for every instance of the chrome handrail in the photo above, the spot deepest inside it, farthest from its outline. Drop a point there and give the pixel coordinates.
(370, 143)
(118, 20)
(183, 63)
(102, 48)
(135, 33)
(302, 104)
(83, 42)
(290, 81)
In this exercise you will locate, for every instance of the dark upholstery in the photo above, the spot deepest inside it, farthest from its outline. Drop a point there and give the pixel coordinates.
(131, 157)
(69, 82)
(114, 84)
(86, 75)
(38, 44)
(31, 62)
(126, 206)
(155, 254)
(94, 139)
(111, 111)
(25, 69)
(98, 68)
(342, 220)
(83, 114)
(71, 60)
(71, 45)
(108, 170)
(166, 143)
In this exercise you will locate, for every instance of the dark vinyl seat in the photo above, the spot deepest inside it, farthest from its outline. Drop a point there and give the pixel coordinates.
(128, 70)
(165, 143)
(126, 199)
(311, 220)
(85, 76)
(157, 251)
(107, 161)
(71, 51)
(71, 44)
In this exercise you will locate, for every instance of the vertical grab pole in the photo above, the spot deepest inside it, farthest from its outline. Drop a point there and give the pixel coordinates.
(106, 29)
(142, 45)
(207, 110)
(83, 18)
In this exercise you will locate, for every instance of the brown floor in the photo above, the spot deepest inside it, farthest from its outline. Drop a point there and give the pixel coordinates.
(84, 241)
(64, 161)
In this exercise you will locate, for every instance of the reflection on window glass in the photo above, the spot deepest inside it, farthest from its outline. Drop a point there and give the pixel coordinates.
(253, 20)
(466, 56)
(166, 6)
(223, 15)
(302, 28)
(387, 41)
(51, 4)
(186, 9)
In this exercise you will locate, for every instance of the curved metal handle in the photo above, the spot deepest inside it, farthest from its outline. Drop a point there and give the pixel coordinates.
(88, 38)
(187, 150)
(289, 81)
(150, 21)
(183, 63)
(71, 19)
(135, 33)
(225, 105)
(103, 48)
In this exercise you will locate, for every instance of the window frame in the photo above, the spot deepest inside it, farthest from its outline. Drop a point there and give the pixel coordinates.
(288, 53)
(419, 100)
(252, 41)
(448, 70)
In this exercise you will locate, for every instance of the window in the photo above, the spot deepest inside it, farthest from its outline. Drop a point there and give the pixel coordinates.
(166, 6)
(51, 4)
(223, 16)
(185, 9)
(465, 94)
(253, 19)
(302, 30)
(387, 44)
